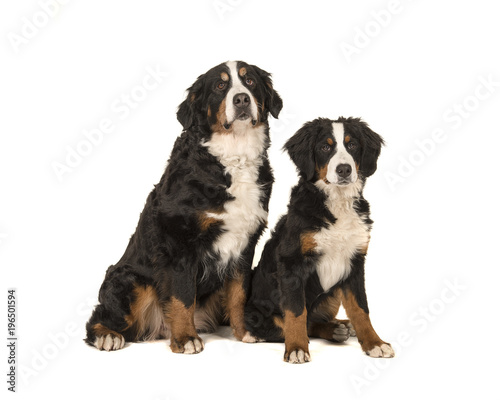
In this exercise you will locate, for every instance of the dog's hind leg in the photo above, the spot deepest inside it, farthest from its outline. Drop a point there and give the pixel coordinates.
(324, 324)
(109, 327)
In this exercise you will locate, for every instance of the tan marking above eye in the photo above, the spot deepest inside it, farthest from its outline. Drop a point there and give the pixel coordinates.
(224, 76)
(243, 71)
(347, 139)
(330, 141)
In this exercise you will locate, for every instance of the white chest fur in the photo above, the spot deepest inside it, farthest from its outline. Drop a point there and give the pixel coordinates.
(338, 242)
(241, 155)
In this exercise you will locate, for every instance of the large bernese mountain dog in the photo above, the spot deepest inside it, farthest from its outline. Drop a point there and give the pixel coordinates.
(194, 244)
(314, 261)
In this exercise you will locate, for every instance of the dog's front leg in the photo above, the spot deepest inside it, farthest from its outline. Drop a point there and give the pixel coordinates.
(179, 309)
(295, 318)
(236, 292)
(354, 300)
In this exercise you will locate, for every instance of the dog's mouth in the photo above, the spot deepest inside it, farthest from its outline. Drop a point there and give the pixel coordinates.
(342, 182)
(243, 116)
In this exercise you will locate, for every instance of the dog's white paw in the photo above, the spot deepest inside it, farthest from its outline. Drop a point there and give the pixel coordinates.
(110, 342)
(383, 351)
(193, 346)
(248, 338)
(298, 356)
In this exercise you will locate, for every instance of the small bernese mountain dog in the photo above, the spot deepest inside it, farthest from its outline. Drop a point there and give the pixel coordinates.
(314, 261)
(194, 244)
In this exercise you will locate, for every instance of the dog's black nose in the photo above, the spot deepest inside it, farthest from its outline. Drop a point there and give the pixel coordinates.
(343, 170)
(241, 100)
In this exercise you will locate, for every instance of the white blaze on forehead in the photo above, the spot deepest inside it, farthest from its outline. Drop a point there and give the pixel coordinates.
(237, 87)
(341, 155)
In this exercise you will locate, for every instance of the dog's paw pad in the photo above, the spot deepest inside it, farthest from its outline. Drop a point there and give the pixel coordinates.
(383, 351)
(109, 342)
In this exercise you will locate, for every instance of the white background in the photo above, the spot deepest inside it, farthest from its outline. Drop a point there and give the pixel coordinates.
(436, 227)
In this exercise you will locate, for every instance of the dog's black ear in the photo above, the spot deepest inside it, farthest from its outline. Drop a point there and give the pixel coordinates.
(186, 114)
(272, 100)
(371, 143)
(300, 148)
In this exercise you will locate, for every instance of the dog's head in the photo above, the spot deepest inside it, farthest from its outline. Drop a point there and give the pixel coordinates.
(230, 96)
(337, 152)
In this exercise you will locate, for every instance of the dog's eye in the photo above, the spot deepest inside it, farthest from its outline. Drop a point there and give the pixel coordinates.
(351, 146)
(326, 148)
(221, 85)
(249, 81)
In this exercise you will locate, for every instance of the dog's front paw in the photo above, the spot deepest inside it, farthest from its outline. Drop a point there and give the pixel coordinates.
(383, 351)
(297, 356)
(190, 345)
(111, 341)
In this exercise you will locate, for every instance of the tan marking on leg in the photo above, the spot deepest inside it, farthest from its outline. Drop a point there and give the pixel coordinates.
(295, 331)
(367, 336)
(307, 243)
(235, 305)
(328, 309)
(280, 323)
(211, 315)
(146, 315)
(101, 330)
(181, 321)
